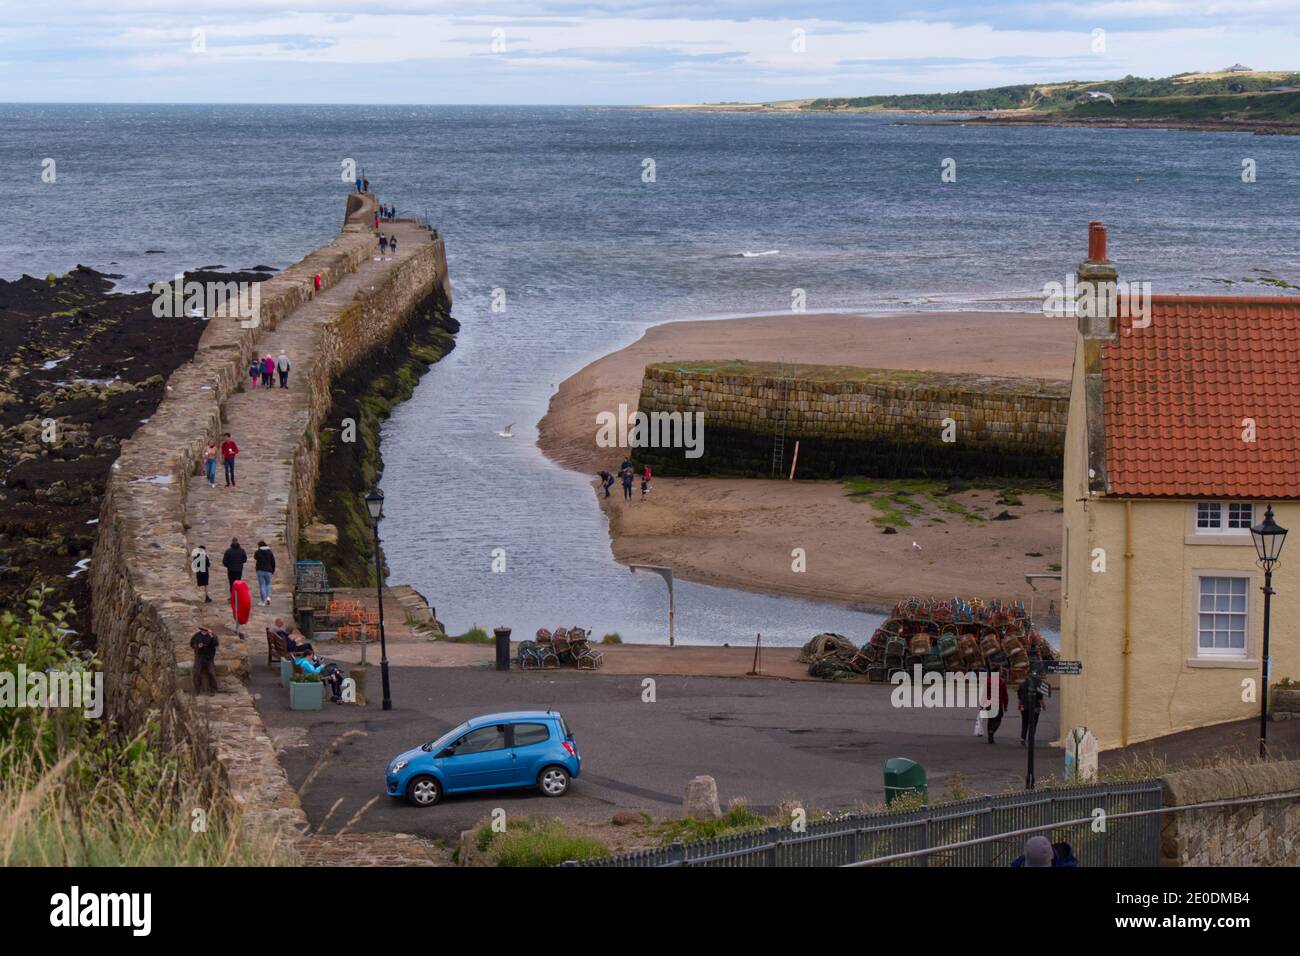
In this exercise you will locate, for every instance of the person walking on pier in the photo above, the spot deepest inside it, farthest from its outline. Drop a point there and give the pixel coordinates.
(201, 563)
(264, 561)
(392, 245)
(383, 244)
(210, 463)
(254, 372)
(268, 371)
(986, 704)
(228, 452)
(233, 561)
(204, 644)
(1029, 688)
(282, 366)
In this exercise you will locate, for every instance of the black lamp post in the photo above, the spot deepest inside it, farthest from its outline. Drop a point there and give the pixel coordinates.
(375, 505)
(1269, 536)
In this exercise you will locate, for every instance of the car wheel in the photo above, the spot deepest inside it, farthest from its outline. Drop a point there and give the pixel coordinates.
(553, 782)
(423, 791)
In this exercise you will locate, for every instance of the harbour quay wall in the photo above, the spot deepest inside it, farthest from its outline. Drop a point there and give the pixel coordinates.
(856, 421)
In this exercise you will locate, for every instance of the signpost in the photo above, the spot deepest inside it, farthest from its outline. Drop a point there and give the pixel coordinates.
(1041, 687)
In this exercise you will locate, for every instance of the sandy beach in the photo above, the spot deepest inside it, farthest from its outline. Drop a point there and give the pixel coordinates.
(742, 532)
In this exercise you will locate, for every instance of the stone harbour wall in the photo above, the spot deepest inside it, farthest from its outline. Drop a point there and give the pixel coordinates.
(855, 421)
(1251, 834)
(143, 595)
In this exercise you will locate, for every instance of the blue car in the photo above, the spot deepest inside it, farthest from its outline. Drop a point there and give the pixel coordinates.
(525, 748)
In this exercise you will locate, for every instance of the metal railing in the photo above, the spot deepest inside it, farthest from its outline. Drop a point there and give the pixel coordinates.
(983, 831)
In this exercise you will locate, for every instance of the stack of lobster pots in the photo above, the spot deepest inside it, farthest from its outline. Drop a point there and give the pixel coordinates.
(953, 635)
(566, 646)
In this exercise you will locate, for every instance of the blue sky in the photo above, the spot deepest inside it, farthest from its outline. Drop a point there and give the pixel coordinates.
(609, 51)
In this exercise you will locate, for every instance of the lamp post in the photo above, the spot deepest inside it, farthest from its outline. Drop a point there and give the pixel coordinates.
(1269, 536)
(375, 505)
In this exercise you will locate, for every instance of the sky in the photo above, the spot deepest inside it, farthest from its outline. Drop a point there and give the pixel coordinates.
(610, 51)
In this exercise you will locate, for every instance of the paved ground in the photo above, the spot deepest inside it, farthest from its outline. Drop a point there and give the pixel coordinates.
(766, 740)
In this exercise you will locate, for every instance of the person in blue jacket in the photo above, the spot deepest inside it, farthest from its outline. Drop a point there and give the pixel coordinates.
(332, 674)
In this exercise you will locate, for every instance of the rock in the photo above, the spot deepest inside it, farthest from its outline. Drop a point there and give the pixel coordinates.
(1006, 516)
(320, 533)
(701, 800)
(889, 529)
(626, 818)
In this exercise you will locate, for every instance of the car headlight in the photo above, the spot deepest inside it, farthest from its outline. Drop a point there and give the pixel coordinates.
(397, 767)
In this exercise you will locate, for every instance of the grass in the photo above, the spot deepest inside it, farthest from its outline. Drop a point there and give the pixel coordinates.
(898, 502)
(529, 842)
(738, 818)
(80, 792)
(475, 635)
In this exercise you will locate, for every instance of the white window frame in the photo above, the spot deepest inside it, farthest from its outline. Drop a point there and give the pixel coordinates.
(1222, 534)
(1223, 654)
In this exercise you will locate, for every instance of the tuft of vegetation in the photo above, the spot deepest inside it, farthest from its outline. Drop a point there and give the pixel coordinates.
(475, 635)
(77, 791)
(739, 818)
(612, 638)
(529, 842)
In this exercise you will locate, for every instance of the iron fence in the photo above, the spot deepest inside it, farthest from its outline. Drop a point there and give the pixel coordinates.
(964, 833)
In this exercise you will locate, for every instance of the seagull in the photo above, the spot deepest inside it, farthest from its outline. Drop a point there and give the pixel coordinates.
(507, 433)
(915, 546)
(1098, 95)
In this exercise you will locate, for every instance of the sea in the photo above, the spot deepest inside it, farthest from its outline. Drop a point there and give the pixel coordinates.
(590, 224)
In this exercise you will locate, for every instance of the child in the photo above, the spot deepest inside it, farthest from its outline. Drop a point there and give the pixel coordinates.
(645, 487)
(254, 372)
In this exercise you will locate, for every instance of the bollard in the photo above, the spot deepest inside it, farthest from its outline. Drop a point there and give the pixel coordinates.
(307, 623)
(502, 635)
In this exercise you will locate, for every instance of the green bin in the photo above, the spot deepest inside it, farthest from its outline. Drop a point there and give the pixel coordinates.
(903, 776)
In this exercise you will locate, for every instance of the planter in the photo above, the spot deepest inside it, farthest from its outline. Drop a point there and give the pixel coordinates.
(1284, 701)
(286, 671)
(306, 695)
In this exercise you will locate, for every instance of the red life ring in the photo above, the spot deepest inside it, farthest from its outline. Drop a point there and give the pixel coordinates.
(241, 601)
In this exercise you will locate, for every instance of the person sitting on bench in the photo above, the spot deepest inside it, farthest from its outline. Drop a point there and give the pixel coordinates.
(285, 633)
(330, 673)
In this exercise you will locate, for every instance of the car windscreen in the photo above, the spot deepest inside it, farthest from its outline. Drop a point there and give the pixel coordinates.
(445, 739)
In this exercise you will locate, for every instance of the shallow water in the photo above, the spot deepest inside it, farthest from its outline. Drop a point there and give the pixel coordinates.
(549, 205)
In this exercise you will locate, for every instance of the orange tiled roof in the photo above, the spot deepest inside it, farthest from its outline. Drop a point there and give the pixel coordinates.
(1175, 395)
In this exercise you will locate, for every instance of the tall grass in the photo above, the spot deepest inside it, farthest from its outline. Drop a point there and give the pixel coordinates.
(81, 792)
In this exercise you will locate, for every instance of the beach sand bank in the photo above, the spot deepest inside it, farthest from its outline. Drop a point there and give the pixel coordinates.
(742, 532)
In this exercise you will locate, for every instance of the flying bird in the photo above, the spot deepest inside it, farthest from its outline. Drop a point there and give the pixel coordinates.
(1098, 95)
(508, 433)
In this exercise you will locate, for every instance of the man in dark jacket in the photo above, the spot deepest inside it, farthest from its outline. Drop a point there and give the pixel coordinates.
(234, 560)
(1029, 688)
(992, 723)
(204, 643)
(264, 561)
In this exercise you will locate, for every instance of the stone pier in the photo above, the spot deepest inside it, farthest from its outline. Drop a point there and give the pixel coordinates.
(158, 505)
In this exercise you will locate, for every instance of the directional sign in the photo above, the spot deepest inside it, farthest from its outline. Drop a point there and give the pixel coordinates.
(1063, 667)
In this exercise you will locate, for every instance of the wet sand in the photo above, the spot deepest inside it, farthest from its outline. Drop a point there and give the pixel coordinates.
(742, 532)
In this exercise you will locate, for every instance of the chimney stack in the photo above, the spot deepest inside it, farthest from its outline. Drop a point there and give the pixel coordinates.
(1097, 298)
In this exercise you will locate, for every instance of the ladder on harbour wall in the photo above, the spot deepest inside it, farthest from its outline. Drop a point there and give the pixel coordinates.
(780, 413)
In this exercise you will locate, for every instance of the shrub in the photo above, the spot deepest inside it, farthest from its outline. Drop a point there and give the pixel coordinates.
(614, 638)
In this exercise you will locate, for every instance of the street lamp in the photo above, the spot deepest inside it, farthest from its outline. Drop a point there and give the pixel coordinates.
(375, 505)
(1269, 536)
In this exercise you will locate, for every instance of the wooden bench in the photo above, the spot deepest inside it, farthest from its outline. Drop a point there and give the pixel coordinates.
(276, 650)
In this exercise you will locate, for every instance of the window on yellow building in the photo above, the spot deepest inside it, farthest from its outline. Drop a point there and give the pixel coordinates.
(1224, 517)
(1221, 621)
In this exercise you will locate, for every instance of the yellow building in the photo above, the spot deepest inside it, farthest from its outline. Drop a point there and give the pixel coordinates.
(1184, 425)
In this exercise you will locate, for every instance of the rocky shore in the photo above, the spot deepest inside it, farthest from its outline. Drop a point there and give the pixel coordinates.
(81, 367)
